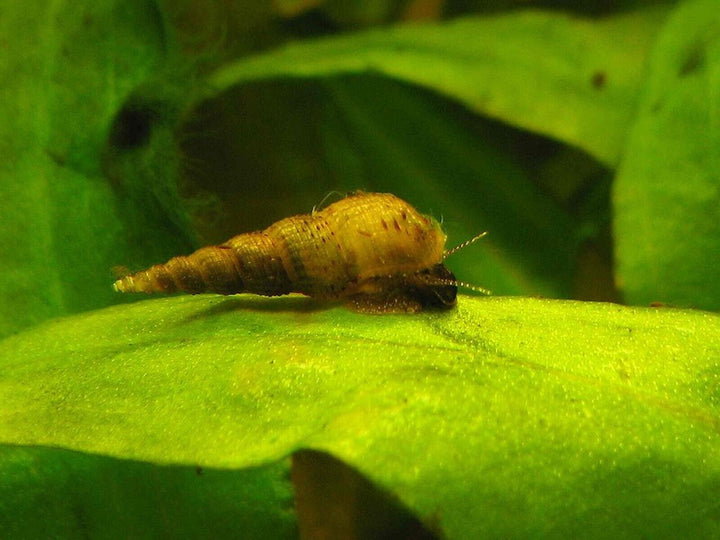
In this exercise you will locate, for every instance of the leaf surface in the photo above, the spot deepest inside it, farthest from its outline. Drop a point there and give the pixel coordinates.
(667, 193)
(66, 69)
(572, 79)
(504, 417)
(57, 493)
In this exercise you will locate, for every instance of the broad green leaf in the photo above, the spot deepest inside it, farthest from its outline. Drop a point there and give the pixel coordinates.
(569, 78)
(667, 194)
(502, 418)
(66, 68)
(54, 493)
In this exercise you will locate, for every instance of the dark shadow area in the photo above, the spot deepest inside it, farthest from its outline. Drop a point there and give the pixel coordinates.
(297, 304)
(268, 304)
(333, 500)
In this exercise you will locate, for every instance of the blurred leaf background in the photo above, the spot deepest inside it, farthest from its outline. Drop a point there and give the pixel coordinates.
(582, 136)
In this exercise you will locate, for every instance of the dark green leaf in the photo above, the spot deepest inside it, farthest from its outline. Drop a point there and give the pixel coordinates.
(67, 68)
(55, 493)
(667, 194)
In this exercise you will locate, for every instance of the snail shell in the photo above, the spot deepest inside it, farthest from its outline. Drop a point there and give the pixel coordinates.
(372, 250)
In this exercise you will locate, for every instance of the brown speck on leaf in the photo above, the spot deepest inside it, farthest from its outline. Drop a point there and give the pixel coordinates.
(694, 61)
(599, 79)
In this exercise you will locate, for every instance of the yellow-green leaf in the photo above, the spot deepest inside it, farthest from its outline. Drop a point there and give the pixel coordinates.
(507, 417)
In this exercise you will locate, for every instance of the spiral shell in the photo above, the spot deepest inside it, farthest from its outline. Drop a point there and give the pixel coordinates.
(372, 250)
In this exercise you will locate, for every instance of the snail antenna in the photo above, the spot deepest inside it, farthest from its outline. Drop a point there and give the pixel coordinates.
(463, 284)
(465, 244)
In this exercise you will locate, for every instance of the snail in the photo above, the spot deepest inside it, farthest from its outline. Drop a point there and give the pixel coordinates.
(372, 251)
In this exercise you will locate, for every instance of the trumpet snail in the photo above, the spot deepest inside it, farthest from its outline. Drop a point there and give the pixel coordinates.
(372, 251)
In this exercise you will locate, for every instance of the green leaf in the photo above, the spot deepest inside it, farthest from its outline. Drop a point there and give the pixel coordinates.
(667, 193)
(66, 69)
(505, 417)
(54, 493)
(572, 79)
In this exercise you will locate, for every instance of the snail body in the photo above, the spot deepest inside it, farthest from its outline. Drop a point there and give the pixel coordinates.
(372, 250)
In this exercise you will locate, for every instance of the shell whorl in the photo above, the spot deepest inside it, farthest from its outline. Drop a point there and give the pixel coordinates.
(245, 263)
